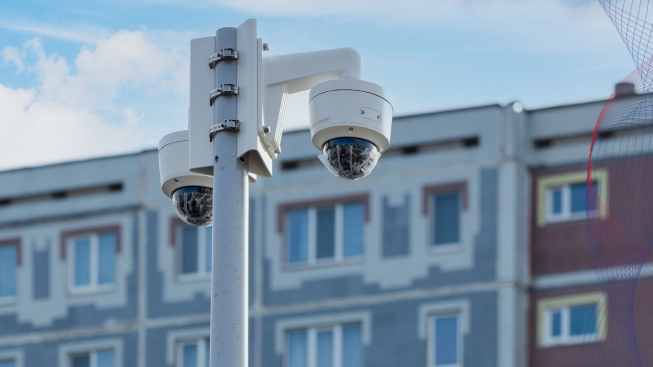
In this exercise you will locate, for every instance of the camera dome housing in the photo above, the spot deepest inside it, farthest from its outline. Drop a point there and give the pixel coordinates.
(350, 122)
(191, 193)
(350, 158)
(194, 205)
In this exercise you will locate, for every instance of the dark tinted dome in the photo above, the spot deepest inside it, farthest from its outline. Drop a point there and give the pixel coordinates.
(194, 205)
(350, 158)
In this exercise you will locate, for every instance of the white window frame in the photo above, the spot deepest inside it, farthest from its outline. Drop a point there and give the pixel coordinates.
(201, 350)
(7, 300)
(202, 273)
(93, 357)
(339, 239)
(565, 325)
(93, 286)
(431, 340)
(566, 214)
(431, 226)
(312, 332)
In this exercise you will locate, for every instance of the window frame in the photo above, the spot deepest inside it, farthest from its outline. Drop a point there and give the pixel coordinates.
(430, 339)
(15, 242)
(92, 356)
(548, 306)
(202, 274)
(566, 214)
(94, 286)
(311, 341)
(12, 355)
(339, 242)
(200, 342)
(547, 181)
(433, 247)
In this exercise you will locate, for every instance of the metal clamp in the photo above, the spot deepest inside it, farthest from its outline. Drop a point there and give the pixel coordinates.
(224, 54)
(227, 125)
(225, 89)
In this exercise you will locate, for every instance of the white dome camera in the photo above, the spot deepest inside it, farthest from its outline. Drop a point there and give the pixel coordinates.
(191, 193)
(350, 121)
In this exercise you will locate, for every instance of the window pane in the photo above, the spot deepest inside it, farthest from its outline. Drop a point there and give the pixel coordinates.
(354, 221)
(189, 249)
(107, 260)
(556, 196)
(298, 236)
(352, 346)
(298, 349)
(207, 352)
(83, 262)
(583, 320)
(7, 271)
(446, 340)
(446, 218)
(208, 248)
(326, 227)
(579, 197)
(190, 355)
(325, 348)
(7, 364)
(82, 361)
(556, 319)
(105, 359)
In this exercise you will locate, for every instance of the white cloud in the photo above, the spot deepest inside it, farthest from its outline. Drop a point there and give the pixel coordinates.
(95, 106)
(82, 33)
(12, 55)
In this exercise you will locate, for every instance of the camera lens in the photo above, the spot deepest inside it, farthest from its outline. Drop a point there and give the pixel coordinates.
(194, 205)
(350, 158)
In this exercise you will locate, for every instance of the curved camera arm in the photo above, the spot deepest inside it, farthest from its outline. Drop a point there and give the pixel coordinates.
(293, 73)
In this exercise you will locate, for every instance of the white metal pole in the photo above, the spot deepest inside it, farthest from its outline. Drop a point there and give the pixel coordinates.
(229, 283)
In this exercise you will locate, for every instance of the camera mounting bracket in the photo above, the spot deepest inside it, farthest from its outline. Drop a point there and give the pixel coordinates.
(224, 54)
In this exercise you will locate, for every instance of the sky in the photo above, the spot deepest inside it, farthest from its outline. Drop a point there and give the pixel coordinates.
(82, 79)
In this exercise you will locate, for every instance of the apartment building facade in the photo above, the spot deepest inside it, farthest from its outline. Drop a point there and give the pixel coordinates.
(438, 258)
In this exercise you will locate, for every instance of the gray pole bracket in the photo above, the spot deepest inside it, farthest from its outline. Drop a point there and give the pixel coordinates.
(224, 90)
(224, 54)
(227, 125)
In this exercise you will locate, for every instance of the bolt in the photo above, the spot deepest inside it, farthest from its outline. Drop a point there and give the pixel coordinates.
(216, 159)
(362, 112)
(266, 47)
(351, 129)
(176, 180)
(378, 116)
(277, 151)
(266, 129)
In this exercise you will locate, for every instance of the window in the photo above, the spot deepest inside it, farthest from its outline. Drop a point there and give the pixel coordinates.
(7, 363)
(194, 353)
(571, 319)
(333, 346)
(8, 263)
(563, 197)
(101, 358)
(325, 233)
(194, 251)
(569, 202)
(445, 218)
(93, 261)
(445, 341)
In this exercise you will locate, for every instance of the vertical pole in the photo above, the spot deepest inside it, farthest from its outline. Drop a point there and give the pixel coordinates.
(229, 298)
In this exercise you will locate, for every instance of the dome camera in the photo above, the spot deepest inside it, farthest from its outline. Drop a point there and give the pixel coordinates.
(350, 123)
(191, 193)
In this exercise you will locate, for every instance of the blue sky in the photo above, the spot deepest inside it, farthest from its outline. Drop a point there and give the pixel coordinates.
(80, 79)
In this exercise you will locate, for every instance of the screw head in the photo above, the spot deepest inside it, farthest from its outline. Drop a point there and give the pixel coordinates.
(362, 112)
(351, 129)
(266, 47)
(266, 129)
